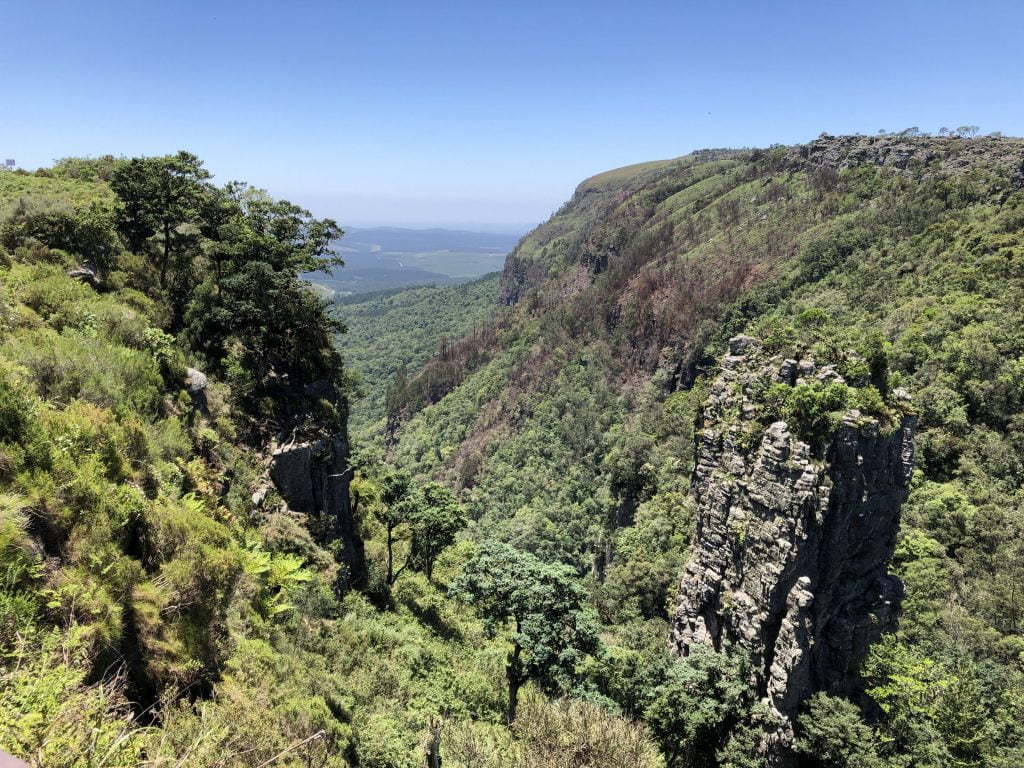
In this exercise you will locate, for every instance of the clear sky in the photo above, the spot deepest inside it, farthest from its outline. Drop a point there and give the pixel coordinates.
(485, 113)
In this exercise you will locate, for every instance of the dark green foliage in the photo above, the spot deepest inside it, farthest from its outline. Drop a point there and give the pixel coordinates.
(427, 516)
(552, 627)
(833, 735)
(695, 706)
(631, 478)
(160, 196)
(811, 410)
(434, 520)
(229, 260)
(822, 256)
(394, 509)
(252, 317)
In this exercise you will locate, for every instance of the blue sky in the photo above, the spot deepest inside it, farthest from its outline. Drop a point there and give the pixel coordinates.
(485, 113)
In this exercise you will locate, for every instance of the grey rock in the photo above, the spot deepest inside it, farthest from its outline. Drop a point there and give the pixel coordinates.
(320, 389)
(829, 373)
(85, 275)
(740, 345)
(787, 372)
(313, 478)
(260, 495)
(790, 560)
(195, 381)
(195, 384)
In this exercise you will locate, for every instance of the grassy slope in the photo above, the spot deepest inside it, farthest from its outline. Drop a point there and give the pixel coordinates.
(134, 567)
(55, 191)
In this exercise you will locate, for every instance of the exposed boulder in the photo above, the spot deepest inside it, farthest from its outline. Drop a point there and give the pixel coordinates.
(313, 478)
(793, 542)
(196, 383)
(85, 275)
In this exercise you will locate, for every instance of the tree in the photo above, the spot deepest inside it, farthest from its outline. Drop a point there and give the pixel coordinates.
(631, 477)
(395, 508)
(160, 194)
(553, 627)
(431, 516)
(435, 520)
(254, 318)
(701, 698)
(832, 734)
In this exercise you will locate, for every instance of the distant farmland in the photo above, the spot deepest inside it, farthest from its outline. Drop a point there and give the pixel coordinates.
(384, 258)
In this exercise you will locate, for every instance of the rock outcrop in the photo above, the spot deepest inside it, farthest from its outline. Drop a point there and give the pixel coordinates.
(85, 275)
(195, 384)
(313, 478)
(793, 542)
(946, 153)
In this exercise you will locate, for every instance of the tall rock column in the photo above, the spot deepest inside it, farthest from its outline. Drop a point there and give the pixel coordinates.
(792, 546)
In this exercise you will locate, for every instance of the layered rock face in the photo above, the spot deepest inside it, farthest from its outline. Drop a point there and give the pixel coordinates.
(792, 546)
(313, 478)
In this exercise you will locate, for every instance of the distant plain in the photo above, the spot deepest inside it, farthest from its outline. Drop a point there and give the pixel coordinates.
(384, 258)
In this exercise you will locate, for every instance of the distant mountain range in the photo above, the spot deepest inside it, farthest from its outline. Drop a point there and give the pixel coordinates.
(380, 258)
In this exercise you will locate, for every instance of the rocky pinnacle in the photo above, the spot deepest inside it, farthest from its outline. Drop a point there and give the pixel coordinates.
(790, 558)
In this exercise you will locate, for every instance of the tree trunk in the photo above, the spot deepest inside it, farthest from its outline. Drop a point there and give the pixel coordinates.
(432, 747)
(515, 681)
(391, 562)
(167, 254)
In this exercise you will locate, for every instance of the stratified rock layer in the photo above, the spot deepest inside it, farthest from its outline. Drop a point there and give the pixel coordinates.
(792, 545)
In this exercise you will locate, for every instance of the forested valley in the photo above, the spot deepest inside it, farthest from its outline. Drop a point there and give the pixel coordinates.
(724, 469)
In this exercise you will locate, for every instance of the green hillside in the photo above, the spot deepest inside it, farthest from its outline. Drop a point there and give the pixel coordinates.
(396, 331)
(160, 603)
(569, 432)
(196, 570)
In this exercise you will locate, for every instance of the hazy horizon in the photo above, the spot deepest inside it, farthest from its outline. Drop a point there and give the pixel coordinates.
(479, 116)
(513, 228)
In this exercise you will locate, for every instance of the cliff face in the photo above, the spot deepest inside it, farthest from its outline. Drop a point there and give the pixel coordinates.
(792, 543)
(313, 478)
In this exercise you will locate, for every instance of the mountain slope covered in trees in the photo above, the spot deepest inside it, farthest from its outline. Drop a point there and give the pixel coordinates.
(392, 333)
(569, 429)
(160, 604)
